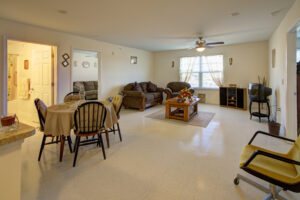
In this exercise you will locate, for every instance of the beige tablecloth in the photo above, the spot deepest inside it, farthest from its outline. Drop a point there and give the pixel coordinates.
(60, 117)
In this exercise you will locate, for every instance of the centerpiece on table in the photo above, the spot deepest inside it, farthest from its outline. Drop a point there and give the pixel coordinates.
(185, 95)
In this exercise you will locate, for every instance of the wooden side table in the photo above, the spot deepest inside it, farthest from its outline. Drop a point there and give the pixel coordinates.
(184, 111)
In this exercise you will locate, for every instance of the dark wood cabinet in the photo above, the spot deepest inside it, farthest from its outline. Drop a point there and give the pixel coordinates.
(233, 97)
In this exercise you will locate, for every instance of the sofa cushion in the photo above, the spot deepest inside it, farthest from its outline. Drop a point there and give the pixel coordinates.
(177, 86)
(156, 95)
(89, 85)
(78, 86)
(96, 85)
(137, 87)
(149, 97)
(129, 87)
(151, 87)
(144, 86)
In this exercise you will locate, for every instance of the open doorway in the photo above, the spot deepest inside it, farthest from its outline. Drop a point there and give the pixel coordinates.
(30, 75)
(298, 79)
(85, 73)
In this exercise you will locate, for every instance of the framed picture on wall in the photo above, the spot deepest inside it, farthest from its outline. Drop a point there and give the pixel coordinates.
(133, 59)
(26, 64)
(273, 58)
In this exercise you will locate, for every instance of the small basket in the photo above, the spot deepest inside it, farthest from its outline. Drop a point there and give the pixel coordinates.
(274, 128)
(8, 121)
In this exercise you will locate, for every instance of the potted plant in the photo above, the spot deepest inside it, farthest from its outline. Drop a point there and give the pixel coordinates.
(274, 127)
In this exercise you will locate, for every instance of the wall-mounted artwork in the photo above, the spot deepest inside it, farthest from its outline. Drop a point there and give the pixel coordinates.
(65, 63)
(133, 59)
(85, 64)
(26, 64)
(273, 58)
(66, 56)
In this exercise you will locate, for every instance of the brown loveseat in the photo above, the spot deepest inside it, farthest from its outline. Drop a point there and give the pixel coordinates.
(173, 88)
(90, 89)
(142, 95)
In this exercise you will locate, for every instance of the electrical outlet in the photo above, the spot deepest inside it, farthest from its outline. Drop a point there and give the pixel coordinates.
(278, 109)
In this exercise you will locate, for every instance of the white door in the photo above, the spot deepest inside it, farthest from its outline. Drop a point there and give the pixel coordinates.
(41, 76)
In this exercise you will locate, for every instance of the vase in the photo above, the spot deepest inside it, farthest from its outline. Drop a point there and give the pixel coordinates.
(186, 100)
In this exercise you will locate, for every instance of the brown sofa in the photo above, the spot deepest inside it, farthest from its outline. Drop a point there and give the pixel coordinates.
(143, 97)
(173, 89)
(90, 89)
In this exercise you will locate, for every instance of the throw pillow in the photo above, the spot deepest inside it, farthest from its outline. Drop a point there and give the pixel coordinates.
(151, 87)
(137, 87)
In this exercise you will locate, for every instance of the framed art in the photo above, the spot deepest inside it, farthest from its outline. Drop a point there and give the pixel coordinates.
(133, 59)
(66, 56)
(65, 63)
(273, 58)
(26, 64)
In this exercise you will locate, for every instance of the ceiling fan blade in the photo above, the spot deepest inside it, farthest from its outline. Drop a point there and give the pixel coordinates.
(214, 43)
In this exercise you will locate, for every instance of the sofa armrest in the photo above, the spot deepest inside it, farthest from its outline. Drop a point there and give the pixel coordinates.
(133, 93)
(169, 92)
(192, 90)
(160, 89)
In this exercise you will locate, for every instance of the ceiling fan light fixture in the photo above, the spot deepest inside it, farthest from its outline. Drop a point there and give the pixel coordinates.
(200, 49)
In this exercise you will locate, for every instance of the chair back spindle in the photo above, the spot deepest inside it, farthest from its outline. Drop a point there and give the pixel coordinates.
(42, 112)
(89, 118)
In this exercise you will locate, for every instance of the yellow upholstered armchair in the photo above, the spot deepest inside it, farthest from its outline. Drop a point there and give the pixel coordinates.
(282, 171)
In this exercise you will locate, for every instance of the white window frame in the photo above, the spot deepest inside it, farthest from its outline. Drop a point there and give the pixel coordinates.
(201, 72)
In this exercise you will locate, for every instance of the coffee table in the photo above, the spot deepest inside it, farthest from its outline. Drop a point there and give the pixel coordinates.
(183, 111)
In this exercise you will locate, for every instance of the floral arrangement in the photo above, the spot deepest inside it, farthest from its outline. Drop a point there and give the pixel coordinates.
(185, 94)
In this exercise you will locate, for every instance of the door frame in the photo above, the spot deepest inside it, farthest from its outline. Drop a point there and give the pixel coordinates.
(99, 68)
(54, 70)
(291, 82)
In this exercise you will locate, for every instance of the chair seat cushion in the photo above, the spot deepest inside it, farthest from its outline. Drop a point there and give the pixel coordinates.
(89, 85)
(270, 167)
(149, 97)
(156, 95)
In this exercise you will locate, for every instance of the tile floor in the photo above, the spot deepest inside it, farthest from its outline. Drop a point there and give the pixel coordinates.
(157, 160)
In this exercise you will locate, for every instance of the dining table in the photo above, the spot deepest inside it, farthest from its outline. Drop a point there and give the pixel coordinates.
(60, 120)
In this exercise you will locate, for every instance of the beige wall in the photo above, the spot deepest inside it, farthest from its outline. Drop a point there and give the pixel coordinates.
(283, 76)
(116, 68)
(249, 61)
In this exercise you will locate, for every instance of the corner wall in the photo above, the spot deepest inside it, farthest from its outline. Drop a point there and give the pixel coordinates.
(282, 77)
(115, 60)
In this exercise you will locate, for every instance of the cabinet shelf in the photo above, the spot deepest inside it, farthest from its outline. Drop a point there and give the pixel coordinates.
(233, 97)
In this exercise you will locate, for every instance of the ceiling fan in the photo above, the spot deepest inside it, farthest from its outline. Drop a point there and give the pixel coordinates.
(201, 44)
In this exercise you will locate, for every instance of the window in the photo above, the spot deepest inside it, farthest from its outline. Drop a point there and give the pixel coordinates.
(202, 71)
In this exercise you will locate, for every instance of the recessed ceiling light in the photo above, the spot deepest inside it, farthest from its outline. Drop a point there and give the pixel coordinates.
(62, 11)
(235, 14)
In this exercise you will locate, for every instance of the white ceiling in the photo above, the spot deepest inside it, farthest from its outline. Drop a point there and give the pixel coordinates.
(153, 24)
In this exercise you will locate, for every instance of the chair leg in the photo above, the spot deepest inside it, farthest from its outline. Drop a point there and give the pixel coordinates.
(119, 131)
(62, 145)
(272, 191)
(57, 140)
(250, 109)
(77, 141)
(259, 112)
(107, 138)
(114, 129)
(42, 147)
(102, 146)
(70, 143)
